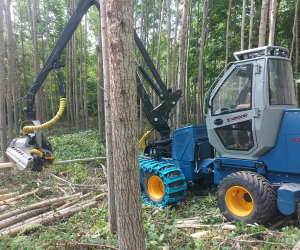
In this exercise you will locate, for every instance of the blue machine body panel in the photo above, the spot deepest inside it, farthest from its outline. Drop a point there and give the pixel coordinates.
(288, 197)
(284, 157)
(189, 146)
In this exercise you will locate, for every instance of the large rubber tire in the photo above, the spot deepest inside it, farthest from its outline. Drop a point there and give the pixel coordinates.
(246, 196)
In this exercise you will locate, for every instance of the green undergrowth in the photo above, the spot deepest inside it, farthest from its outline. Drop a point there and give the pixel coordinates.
(90, 227)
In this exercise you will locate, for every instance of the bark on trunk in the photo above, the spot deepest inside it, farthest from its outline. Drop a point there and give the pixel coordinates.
(272, 22)
(100, 82)
(85, 75)
(263, 23)
(181, 62)
(174, 55)
(201, 54)
(187, 82)
(169, 44)
(2, 90)
(227, 32)
(297, 41)
(243, 25)
(161, 16)
(294, 29)
(251, 24)
(11, 65)
(124, 123)
(38, 105)
(108, 124)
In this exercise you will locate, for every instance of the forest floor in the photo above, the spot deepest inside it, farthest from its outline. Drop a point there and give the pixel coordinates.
(194, 223)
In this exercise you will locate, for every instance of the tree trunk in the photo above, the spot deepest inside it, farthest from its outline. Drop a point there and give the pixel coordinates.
(108, 126)
(201, 54)
(38, 105)
(100, 82)
(11, 65)
(174, 54)
(168, 44)
(227, 32)
(243, 25)
(161, 16)
(294, 29)
(47, 54)
(85, 75)
(272, 22)
(297, 41)
(141, 61)
(181, 62)
(81, 94)
(263, 23)
(75, 82)
(251, 24)
(2, 89)
(196, 80)
(124, 123)
(187, 82)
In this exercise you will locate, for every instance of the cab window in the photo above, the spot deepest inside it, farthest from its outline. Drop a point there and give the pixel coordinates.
(235, 93)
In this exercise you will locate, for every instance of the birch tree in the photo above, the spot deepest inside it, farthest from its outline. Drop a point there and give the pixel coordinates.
(263, 23)
(2, 89)
(227, 32)
(243, 25)
(272, 21)
(251, 24)
(201, 54)
(124, 124)
(181, 61)
(11, 64)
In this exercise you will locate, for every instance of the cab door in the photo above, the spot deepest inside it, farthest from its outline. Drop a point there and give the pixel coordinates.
(230, 119)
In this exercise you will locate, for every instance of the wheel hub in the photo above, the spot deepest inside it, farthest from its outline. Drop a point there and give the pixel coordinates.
(156, 187)
(239, 201)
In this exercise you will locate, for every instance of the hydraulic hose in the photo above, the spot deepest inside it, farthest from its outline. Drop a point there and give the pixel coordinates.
(38, 152)
(49, 123)
(143, 140)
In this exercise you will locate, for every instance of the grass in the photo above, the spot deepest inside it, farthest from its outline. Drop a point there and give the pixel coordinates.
(91, 226)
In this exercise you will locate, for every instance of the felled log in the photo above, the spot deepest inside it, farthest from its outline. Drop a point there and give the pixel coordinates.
(3, 191)
(8, 196)
(45, 220)
(8, 165)
(20, 217)
(78, 160)
(4, 202)
(57, 206)
(38, 205)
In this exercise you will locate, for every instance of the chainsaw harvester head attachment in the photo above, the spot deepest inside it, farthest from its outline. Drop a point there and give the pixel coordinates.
(31, 151)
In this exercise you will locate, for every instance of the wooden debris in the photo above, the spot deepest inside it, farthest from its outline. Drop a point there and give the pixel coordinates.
(200, 234)
(38, 205)
(228, 227)
(5, 202)
(8, 196)
(297, 246)
(45, 220)
(8, 165)
(3, 191)
(20, 217)
(79, 160)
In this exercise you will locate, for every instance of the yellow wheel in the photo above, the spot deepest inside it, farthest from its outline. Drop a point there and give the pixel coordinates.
(156, 187)
(246, 196)
(239, 201)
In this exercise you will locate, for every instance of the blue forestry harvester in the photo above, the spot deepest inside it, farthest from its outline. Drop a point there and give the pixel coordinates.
(251, 122)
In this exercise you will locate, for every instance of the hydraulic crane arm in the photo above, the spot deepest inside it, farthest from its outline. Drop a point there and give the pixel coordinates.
(53, 61)
(157, 116)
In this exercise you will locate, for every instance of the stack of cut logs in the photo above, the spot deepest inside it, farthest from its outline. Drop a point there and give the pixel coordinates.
(25, 218)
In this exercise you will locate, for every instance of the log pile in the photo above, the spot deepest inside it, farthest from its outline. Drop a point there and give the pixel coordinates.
(25, 218)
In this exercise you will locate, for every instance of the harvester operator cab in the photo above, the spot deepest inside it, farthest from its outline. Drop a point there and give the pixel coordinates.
(246, 107)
